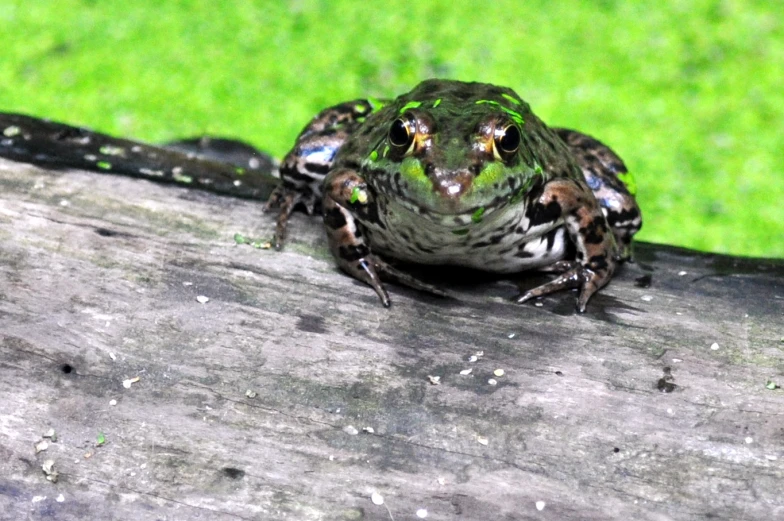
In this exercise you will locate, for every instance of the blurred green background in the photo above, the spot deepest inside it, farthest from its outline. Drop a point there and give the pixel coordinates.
(690, 93)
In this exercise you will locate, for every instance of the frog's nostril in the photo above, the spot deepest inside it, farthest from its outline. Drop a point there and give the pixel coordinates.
(455, 184)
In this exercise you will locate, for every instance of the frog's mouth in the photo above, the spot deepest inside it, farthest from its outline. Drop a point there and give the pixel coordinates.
(454, 198)
(452, 216)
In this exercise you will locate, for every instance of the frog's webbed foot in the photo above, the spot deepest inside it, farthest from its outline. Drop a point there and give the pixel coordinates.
(575, 275)
(285, 200)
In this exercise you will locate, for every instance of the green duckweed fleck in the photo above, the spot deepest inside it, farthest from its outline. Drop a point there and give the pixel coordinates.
(410, 105)
(511, 98)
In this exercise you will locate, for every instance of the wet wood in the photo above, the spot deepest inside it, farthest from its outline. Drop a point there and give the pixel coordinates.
(292, 394)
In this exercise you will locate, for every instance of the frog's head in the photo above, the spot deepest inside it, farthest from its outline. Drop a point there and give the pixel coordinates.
(453, 151)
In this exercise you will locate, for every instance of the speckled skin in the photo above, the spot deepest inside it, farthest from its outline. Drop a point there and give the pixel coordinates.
(461, 174)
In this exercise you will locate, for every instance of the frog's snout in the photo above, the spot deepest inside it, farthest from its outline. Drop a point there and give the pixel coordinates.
(453, 185)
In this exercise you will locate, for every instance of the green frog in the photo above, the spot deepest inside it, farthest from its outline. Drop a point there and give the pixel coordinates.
(451, 173)
(456, 173)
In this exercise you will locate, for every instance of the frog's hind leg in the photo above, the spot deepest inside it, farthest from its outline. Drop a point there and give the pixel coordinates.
(303, 169)
(611, 183)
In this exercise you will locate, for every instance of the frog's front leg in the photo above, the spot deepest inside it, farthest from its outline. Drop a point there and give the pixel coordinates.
(346, 197)
(612, 185)
(344, 189)
(587, 227)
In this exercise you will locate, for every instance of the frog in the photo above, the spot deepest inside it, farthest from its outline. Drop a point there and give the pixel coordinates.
(460, 174)
(450, 173)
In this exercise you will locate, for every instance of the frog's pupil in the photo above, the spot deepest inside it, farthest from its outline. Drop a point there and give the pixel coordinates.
(510, 140)
(398, 133)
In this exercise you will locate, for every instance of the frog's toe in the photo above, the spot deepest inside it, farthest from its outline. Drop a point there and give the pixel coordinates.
(285, 200)
(578, 276)
(366, 272)
(394, 274)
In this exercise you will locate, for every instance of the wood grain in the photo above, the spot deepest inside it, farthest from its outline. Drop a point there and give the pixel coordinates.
(292, 394)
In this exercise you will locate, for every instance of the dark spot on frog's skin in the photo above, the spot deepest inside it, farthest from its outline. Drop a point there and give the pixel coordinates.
(318, 168)
(334, 218)
(369, 214)
(495, 239)
(616, 450)
(644, 281)
(551, 238)
(522, 254)
(396, 179)
(541, 214)
(512, 183)
(598, 262)
(311, 324)
(232, 473)
(421, 247)
(594, 232)
(66, 368)
(352, 253)
(623, 216)
(558, 373)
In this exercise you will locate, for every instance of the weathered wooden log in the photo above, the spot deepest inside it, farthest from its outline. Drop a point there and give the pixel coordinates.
(292, 394)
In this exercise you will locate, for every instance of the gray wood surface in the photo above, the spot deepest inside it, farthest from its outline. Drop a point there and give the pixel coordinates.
(651, 406)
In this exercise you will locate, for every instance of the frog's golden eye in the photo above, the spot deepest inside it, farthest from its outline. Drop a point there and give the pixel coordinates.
(401, 133)
(507, 139)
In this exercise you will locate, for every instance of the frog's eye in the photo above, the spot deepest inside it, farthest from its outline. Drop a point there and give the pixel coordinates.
(507, 139)
(401, 133)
